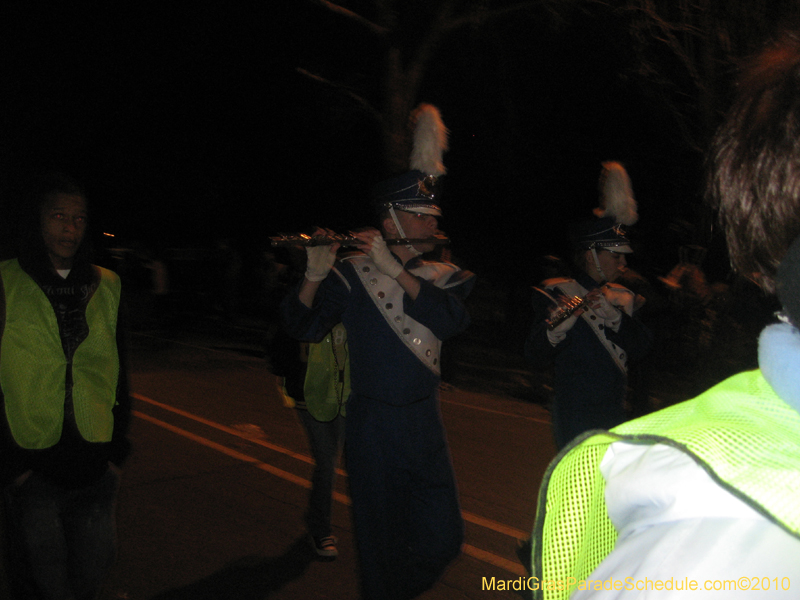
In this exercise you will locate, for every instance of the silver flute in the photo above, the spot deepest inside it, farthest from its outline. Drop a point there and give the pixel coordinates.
(301, 239)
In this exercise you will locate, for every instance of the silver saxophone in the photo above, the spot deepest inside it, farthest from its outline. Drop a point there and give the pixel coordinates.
(566, 308)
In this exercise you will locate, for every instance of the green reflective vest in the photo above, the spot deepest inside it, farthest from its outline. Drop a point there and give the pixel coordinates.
(327, 383)
(33, 367)
(739, 431)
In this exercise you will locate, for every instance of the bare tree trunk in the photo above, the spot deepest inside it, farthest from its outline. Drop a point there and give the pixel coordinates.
(399, 94)
(406, 60)
(402, 79)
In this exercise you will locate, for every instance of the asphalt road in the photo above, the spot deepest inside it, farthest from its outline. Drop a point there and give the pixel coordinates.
(212, 498)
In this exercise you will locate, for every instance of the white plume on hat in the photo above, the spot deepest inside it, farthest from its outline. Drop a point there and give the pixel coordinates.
(430, 141)
(616, 195)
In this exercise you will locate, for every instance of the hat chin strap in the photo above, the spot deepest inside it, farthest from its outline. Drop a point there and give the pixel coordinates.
(603, 278)
(402, 233)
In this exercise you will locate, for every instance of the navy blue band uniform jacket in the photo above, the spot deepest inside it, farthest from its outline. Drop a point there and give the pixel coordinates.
(589, 385)
(383, 367)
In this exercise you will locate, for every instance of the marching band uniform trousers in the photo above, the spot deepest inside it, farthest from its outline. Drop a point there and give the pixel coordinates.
(405, 502)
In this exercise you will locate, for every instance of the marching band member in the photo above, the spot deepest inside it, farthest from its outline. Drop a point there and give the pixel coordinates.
(397, 308)
(591, 348)
(703, 494)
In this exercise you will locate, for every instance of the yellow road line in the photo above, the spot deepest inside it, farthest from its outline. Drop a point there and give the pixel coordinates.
(468, 516)
(473, 551)
(230, 430)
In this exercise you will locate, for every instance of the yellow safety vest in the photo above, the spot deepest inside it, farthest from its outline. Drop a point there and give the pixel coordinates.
(33, 367)
(327, 383)
(740, 431)
(326, 386)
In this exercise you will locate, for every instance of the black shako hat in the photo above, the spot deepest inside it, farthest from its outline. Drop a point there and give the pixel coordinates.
(600, 234)
(616, 210)
(419, 189)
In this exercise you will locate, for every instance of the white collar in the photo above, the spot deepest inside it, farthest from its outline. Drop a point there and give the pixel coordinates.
(779, 360)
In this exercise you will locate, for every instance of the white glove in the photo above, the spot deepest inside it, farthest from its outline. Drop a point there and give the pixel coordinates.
(319, 263)
(622, 298)
(611, 315)
(559, 332)
(383, 258)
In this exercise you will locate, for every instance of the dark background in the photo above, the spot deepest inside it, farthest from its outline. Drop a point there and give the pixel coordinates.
(192, 124)
(187, 124)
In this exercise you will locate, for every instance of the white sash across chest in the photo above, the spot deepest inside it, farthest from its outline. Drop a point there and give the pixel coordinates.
(387, 295)
(570, 288)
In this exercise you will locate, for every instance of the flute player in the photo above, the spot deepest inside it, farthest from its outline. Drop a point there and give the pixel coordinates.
(397, 308)
(592, 347)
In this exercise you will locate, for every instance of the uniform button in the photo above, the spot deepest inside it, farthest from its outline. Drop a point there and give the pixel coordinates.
(381, 295)
(389, 306)
(406, 331)
(417, 341)
(427, 352)
(398, 318)
(435, 361)
(593, 318)
(365, 269)
(373, 281)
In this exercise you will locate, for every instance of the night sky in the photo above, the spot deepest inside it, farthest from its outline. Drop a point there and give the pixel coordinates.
(188, 125)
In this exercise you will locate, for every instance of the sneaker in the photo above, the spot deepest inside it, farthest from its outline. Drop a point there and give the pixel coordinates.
(325, 546)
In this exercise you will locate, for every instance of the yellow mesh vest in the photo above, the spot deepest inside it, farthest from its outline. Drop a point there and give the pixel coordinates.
(95, 368)
(33, 365)
(744, 436)
(327, 382)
